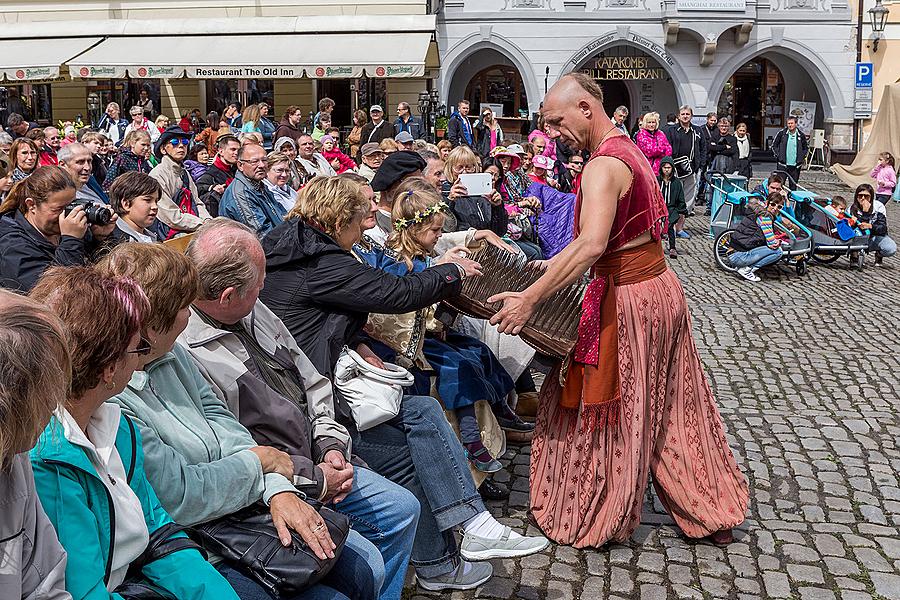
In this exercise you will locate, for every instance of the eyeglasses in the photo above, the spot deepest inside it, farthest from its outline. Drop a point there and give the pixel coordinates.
(143, 349)
(281, 171)
(253, 161)
(180, 142)
(863, 195)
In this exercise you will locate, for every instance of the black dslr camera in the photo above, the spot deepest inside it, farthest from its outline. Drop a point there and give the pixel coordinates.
(96, 215)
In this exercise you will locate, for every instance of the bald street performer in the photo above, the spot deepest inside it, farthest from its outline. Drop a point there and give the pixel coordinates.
(633, 398)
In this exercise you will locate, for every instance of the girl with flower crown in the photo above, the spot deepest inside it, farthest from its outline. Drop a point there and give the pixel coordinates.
(464, 369)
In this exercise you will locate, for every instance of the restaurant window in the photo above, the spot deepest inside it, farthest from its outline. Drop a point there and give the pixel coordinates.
(754, 95)
(32, 101)
(222, 92)
(499, 84)
(126, 93)
(371, 91)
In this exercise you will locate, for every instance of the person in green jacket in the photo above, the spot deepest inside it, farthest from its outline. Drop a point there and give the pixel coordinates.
(88, 463)
(673, 193)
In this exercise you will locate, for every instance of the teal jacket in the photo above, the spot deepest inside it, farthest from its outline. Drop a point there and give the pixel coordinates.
(79, 506)
(198, 454)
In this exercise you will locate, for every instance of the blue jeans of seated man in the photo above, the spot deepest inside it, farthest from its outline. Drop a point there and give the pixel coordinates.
(883, 245)
(358, 573)
(756, 258)
(419, 450)
(386, 515)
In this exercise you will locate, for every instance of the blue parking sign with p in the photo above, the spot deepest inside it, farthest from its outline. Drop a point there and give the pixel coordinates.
(863, 75)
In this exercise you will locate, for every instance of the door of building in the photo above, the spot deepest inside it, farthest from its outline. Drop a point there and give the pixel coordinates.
(339, 91)
(615, 94)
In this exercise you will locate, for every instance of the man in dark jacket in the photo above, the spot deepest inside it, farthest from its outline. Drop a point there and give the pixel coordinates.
(706, 131)
(790, 147)
(459, 130)
(688, 156)
(407, 122)
(17, 126)
(377, 129)
(211, 185)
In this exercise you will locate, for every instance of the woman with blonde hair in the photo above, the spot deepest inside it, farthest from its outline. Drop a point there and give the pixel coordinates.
(652, 142)
(250, 117)
(35, 370)
(324, 295)
(89, 462)
(389, 146)
(471, 212)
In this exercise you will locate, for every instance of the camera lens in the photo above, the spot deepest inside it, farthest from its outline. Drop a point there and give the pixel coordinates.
(97, 215)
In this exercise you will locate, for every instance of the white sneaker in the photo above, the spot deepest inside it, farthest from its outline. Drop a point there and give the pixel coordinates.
(476, 548)
(748, 274)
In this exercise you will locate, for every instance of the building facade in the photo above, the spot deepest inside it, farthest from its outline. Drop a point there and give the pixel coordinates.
(885, 57)
(61, 59)
(755, 60)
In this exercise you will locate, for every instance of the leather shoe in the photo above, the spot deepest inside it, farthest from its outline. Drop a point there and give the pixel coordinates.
(491, 490)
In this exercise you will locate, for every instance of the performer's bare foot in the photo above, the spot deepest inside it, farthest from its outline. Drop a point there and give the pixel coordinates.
(723, 537)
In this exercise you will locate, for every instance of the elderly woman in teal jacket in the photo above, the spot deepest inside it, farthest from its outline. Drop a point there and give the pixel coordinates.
(88, 463)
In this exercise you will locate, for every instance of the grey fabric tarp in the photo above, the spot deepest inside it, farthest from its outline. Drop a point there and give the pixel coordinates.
(885, 137)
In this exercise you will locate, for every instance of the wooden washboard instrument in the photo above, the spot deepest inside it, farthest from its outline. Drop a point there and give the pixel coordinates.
(552, 329)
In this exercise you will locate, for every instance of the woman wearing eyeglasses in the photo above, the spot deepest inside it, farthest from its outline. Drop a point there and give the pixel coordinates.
(89, 462)
(180, 208)
(871, 216)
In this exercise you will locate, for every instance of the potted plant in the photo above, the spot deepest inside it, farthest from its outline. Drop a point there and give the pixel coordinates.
(440, 127)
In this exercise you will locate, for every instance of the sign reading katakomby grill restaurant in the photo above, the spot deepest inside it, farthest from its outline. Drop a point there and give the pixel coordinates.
(625, 67)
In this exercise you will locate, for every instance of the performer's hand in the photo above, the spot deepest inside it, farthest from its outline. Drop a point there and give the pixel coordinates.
(516, 311)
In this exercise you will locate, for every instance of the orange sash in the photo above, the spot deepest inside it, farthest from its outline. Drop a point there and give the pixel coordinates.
(599, 385)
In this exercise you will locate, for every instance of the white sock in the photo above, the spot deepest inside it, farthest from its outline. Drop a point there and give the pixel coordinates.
(485, 525)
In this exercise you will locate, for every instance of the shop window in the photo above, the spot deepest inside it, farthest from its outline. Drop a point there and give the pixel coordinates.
(371, 91)
(499, 84)
(222, 92)
(755, 95)
(32, 101)
(126, 93)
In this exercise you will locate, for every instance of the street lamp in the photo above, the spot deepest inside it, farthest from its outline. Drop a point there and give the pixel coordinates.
(429, 106)
(878, 15)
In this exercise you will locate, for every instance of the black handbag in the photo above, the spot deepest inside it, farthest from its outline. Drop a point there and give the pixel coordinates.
(248, 542)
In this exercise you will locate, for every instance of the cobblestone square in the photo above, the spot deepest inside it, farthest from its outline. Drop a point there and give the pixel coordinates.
(806, 374)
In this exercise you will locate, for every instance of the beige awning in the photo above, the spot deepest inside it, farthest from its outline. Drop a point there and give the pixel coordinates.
(31, 60)
(286, 56)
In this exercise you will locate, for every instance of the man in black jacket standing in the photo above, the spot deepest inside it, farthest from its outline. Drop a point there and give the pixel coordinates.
(790, 147)
(377, 129)
(707, 132)
(211, 185)
(689, 155)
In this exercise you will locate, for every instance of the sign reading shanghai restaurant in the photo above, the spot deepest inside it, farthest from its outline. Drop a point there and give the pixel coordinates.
(625, 67)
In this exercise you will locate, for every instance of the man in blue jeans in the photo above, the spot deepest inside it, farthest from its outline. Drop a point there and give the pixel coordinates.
(754, 239)
(254, 365)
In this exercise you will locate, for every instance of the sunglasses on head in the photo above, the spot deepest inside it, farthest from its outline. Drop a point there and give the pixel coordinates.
(143, 348)
(180, 141)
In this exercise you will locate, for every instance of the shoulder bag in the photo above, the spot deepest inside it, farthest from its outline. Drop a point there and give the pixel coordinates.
(374, 394)
(247, 541)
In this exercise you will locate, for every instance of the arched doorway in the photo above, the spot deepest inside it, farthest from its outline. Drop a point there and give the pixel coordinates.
(488, 77)
(633, 78)
(764, 91)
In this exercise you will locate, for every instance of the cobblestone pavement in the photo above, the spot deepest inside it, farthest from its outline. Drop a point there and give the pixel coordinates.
(807, 378)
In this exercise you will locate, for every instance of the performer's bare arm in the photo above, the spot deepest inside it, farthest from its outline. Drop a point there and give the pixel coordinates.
(605, 180)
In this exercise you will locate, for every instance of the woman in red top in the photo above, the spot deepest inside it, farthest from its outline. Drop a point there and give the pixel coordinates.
(635, 399)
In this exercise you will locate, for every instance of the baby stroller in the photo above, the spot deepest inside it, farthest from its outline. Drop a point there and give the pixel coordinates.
(797, 248)
(810, 209)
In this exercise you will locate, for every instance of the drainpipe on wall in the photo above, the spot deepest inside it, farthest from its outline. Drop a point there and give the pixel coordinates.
(857, 130)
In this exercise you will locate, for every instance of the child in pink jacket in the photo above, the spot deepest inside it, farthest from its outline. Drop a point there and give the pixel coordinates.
(340, 162)
(885, 177)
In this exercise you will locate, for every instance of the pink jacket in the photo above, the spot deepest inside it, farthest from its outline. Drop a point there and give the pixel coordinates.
(654, 146)
(885, 179)
(550, 148)
(347, 163)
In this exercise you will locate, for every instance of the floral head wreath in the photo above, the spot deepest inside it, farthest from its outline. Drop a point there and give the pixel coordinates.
(401, 224)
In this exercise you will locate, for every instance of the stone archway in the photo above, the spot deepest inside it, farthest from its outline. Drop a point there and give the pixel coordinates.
(624, 37)
(457, 69)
